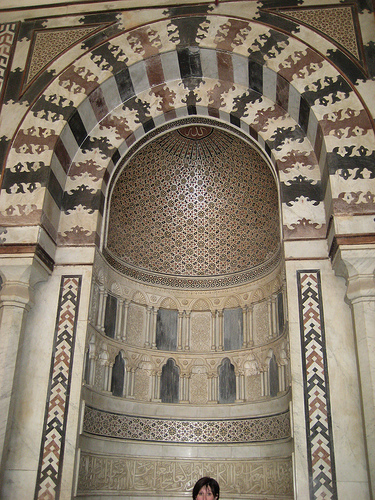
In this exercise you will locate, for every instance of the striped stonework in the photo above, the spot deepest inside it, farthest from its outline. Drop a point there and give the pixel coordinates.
(53, 438)
(317, 400)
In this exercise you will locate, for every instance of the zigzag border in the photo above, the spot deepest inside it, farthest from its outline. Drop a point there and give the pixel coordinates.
(321, 463)
(57, 404)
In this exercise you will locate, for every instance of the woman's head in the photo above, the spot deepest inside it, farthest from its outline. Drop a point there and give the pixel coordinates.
(206, 488)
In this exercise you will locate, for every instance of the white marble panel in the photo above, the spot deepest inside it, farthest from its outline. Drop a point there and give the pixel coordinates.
(138, 75)
(209, 63)
(359, 224)
(269, 83)
(169, 61)
(69, 141)
(87, 115)
(305, 249)
(312, 128)
(294, 103)
(111, 94)
(240, 70)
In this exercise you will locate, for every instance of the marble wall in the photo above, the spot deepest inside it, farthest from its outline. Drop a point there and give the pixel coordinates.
(81, 93)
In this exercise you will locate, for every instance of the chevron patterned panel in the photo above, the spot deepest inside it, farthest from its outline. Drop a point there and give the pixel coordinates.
(317, 403)
(53, 438)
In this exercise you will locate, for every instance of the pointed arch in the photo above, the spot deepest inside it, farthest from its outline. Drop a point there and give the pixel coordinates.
(169, 382)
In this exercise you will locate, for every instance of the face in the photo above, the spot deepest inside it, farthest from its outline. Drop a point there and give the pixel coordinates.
(205, 493)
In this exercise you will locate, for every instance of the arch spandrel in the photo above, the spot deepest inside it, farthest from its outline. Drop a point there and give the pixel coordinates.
(43, 195)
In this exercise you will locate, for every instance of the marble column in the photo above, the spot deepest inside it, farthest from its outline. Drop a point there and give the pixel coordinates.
(213, 330)
(213, 388)
(131, 382)
(357, 266)
(184, 388)
(19, 275)
(245, 329)
(269, 311)
(221, 330)
(187, 330)
(179, 330)
(155, 389)
(102, 305)
(250, 325)
(274, 315)
(125, 320)
(119, 318)
(154, 320)
(240, 387)
(147, 326)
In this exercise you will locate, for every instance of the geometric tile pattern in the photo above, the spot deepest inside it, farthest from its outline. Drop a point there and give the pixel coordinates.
(7, 34)
(242, 430)
(180, 204)
(48, 44)
(129, 477)
(53, 437)
(335, 22)
(320, 453)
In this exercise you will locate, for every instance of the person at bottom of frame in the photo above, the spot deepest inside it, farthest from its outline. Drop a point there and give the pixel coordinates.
(206, 488)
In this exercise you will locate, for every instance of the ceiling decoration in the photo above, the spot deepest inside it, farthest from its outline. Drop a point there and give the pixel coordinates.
(194, 202)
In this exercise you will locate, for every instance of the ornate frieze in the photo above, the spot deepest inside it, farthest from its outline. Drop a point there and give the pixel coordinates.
(261, 479)
(242, 430)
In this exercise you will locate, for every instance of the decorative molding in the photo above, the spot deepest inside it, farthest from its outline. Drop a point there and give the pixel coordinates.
(7, 35)
(349, 239)
(21, 248)
(193, 283)
(320, 450)
(57, 405)
(242, 430)
(163, 478)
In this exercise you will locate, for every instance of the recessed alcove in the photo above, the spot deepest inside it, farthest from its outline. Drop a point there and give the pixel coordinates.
(188, 327)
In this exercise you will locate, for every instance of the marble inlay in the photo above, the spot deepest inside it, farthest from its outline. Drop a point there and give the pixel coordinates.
(334, 21)
(317, 399)
(242, 430)
(49, 44)
(53, 438)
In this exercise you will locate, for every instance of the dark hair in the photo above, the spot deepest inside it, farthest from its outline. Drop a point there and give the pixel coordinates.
(206, 481)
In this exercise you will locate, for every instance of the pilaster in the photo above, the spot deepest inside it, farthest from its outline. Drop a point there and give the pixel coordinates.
(19, 275)
(357, 266)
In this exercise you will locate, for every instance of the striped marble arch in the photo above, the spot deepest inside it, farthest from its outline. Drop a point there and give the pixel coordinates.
(258, 80)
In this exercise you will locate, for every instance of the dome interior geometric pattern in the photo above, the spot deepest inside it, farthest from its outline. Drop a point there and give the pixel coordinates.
(196, 201)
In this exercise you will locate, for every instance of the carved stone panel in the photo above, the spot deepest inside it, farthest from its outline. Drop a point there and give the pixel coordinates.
(136, 325)
(198, 388)
(142, 385)
(260, 479)
(200, 331)
(261, 323)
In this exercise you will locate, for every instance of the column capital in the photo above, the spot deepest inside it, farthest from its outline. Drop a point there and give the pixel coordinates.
(19, 274)
(357, 266)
